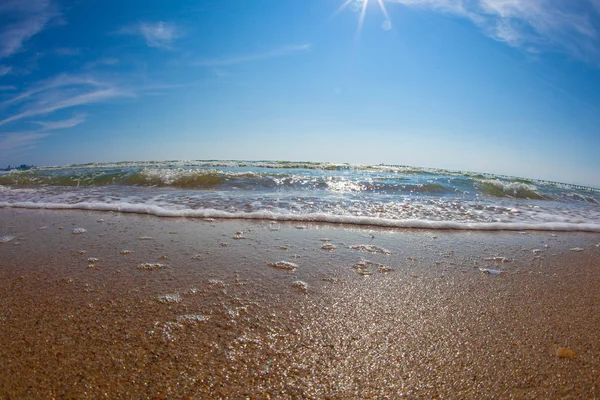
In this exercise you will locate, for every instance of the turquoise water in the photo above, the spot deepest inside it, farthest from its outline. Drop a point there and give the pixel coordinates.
(381, 195)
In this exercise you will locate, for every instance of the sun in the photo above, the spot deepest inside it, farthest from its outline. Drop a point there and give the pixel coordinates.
(361, 6)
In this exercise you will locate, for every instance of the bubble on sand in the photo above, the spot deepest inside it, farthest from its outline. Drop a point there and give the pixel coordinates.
(301, 227)
(167, 329)
(100, 220)
(370, 248)
(384, 268)
(576, 249)
(41, 228)
(191, 318)
(145, 238)
(490, 271)
(125, 252)
(169, 298)
(285, 265)
(151, 266)
(78, 231)
(6, 239)
(209, 219)
(223, 244)
(362, 267)
(328, 246)
(300, 285)
(565, 352)
(92, 260)
(81, 252)
(536, 250)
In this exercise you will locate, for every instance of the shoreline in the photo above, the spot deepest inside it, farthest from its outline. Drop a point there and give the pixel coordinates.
(218, 321)
(314, 218)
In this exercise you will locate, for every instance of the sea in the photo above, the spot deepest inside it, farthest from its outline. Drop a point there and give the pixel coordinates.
(376, 195)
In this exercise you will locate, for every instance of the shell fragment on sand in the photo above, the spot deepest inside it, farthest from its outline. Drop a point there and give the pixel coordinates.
(490, 271)
(78, 231)
(565, 352)
(6, 239)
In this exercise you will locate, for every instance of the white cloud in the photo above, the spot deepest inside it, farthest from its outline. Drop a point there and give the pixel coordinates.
(534, 25)
(279, 52)
(4, 69)
(156, 34)
(7, 87)
(63, 124)
(28, 18)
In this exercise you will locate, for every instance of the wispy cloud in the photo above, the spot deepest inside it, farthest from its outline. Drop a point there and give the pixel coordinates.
(278, 52)
(7, 87)
(156, 34)
(571, 27)
(63, 124)
(67, 51)
(57, 82)
(81, 99)
(16, 140)
(106, 61)
(28, 18)
(58, 93)
(4, 69)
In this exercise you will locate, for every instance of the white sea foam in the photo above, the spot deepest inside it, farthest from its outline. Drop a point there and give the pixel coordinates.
(191, 318)
(170, 298)
(550, 223)
(286, 265)
(300, 285)
(151, 266)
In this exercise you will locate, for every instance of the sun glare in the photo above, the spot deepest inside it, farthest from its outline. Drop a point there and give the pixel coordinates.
(361, 7)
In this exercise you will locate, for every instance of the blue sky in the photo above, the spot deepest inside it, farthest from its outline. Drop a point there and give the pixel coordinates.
(502, 86)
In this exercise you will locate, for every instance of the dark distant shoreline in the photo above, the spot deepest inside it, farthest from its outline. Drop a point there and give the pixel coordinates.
(21, 167)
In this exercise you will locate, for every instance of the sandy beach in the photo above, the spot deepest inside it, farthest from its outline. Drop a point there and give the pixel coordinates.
(134, 306)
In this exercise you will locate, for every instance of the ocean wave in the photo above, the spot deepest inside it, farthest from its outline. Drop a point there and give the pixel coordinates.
(312, 217)
(515, 189)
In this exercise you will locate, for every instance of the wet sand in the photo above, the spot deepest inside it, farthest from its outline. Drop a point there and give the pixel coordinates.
(147, 307)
